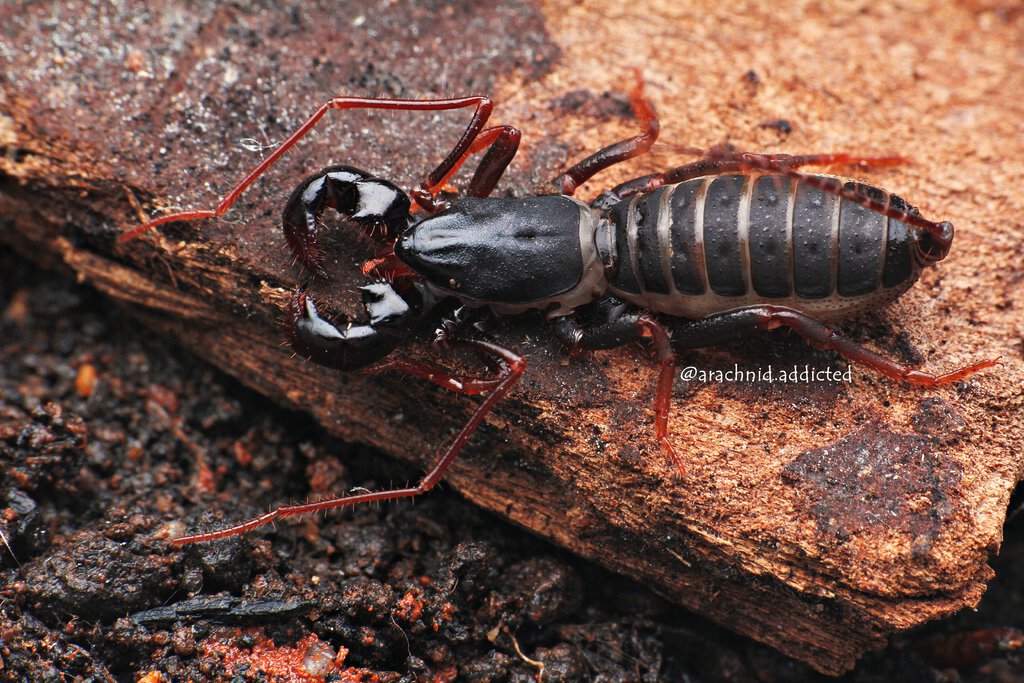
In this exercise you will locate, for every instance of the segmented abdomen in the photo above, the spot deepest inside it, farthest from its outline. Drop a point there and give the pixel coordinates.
(722, 242)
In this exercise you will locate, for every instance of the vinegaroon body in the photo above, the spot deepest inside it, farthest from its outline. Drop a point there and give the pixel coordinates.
(689, 257)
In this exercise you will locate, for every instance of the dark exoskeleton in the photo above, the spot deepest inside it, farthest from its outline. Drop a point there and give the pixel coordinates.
(690, 257)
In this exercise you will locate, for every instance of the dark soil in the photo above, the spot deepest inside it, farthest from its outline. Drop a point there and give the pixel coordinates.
(113, 441)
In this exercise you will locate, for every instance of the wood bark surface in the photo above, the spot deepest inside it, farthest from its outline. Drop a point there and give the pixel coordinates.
(816, 517)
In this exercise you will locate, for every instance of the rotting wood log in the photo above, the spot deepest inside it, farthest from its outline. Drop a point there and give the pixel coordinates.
(816, 517)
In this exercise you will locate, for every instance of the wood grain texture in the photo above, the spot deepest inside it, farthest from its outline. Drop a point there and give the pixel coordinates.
(815, 517)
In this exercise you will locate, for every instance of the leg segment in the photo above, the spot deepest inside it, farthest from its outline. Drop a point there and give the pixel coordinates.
(513, 367)
(727, 326)
(583, 171)
(797, 160)
(720, 163)
(785, 164)
(503, 142)
(483, 107)
(621, 329)
(446, 379)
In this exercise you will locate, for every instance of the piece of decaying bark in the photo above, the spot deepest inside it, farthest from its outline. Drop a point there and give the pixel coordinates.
(816, 517)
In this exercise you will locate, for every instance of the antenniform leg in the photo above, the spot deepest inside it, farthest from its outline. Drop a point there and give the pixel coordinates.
(727, 326)
(621, 328)
(505, 140)
(513, 366)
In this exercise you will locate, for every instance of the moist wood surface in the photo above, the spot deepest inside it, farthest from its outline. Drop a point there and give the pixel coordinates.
(818, 517)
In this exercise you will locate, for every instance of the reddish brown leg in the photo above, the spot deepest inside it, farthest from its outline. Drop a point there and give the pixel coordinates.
(726, 326)
(722, 163)
(567, 182)
(430, 183)
(794, 161)
(503, 142)
(723, 152)
(514, 365)
(622, 329)
(785, 164)
(821, 337)
(666, 374)
(460, 384)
